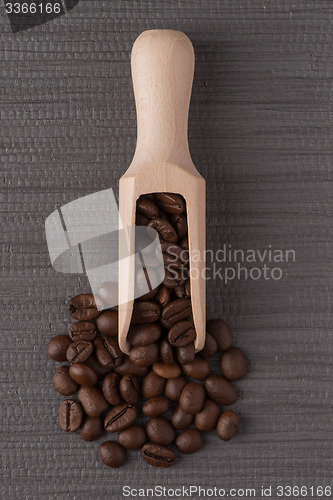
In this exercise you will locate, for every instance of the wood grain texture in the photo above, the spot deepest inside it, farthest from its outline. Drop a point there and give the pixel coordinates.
(260, 133)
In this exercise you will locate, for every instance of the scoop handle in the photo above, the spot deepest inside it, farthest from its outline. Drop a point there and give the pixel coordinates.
(162, 65)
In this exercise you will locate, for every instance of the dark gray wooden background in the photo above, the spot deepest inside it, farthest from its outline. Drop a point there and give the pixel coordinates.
(260, 132)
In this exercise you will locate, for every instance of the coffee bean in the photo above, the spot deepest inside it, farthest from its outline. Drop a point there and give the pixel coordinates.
(227, 425)
(108, 352)
(144, 334)
(166, 371)
(220, 390)
(120, 417)
(184, 291)
(91, 429)
(82, 330)
(57, 347)
(174, 387)
(155, 407)
(198, 369)
(164, 229)
(110, 389)
(83, 374)
(181, 333)
(179, 222)
(175, 278)
(152, 385)
(92, 400)
(163, 296)
(192, 398)
(158, 456)
(189, 441)
(147, 207)
(129, 389)
(108, 292)
(63, 383)
(107, 323)
(210, 346)
(129, 368)
(95, 365)
(144, 355)
(160, 431)
(132, 438)
(166, 353)
(171, 203)
(186, 354)
(112, 454)
(181, 420)
(70, 415)
(175, 311)
(184, 243)
(145, 312)
(207, 418)
(141, 220)
(85, 307)
(233, 364)
(221, 332)
(79, 351)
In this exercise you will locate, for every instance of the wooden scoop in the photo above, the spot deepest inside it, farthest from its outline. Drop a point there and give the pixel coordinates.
(162, 71)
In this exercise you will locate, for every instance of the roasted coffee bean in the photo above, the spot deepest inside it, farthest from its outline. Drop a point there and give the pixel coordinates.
(166, 353)
(129, 368)
(132, 438)
(173, 253)
(82, 330)
(92, 401)
(210, 346)
(198, 369)
(227, 425)
(160, 431)
(147, 207)
(171, 203)
(144, 334)
(163, 296)
(233, 364)
(107, 323)
(166, 371)
(152, 385)
(57, 348)
(112, 454)
(221, 332)
(110, 389)
(120, 417)
(83, 375)
(189, 441)
(95, 365)
(141, 220)
(181, 334)
(85, 307)
(156, 407)
(129, 389)
(181, 420)
(179, 222)
(144, 355)
(207, 418)
(70, 415)
(175, 311)
(158, 456)
(91, 429)
(63, 382)
(192, 398)
(79, 351)
(174, 387)
(184, 291)
(164, 229)
(108, 292)
(186, 354)
(108, 352)
(220, 390)
(184, 243)
(145, 312)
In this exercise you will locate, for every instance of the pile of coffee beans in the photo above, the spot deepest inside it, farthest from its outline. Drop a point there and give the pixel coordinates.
(163, 393)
